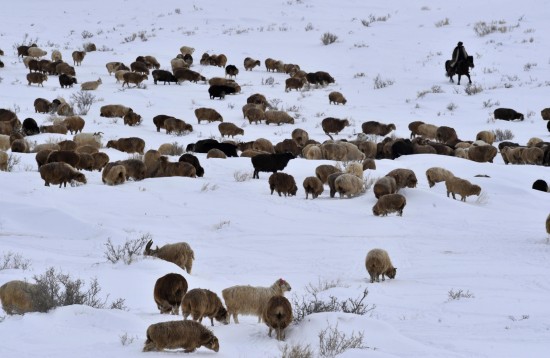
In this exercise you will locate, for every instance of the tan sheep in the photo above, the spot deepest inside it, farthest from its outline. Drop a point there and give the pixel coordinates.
(56, 56)
(19, 146)
(37, 77)
(250, 63)
(37, 52)
(482, 153)
(152, 162)
(404, 178)
(168, 149)
(54, 128)
(462, 187)
(93, 139)
(179, 253)
(60, 173)
(533, 142)
(263, 145)
(355, 169)
(169, 291)
(78, 57)
(461, 153)
(413, 127)
(427, 131)
(116, 175)
(65, 109)
(4, 159)
(336, 98)
(90, 85)
(256, 115)
(229, 129)
(178, 63)
(384, 186)
(250, 300)
(274, 65)
(278, 315)
(100, 160)
(172, 124)
(188, 335)
(114, 110)
(133, 77)
(86, 149)
(389, 203)
(173, 169)
(369, 148)
(128, 145)
(300, 136)
(294, 83)
(112, 67)
(74, 124)
(200, 303)
(486, 136)
(215, 153)
(369, 164)
(19, 297)
(532, 155)
(207, 114)
(119, 75)
(313, 186)
(282, 183)
(378, 264)
(186, 50)
(437, 175)
(349, 185)
(278, 117)
(85, 162)
(312, 152)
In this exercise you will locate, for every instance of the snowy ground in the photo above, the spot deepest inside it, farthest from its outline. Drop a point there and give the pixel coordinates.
(494, 248)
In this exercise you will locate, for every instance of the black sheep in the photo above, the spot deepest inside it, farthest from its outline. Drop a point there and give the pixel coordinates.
(194, 161)
(507, 144)
(540, 185)
(270, 162)
(401, 147)
(507, 114)
(30, 127)
(220, 91)
(164, 76)
(204, 145)
(67, 81)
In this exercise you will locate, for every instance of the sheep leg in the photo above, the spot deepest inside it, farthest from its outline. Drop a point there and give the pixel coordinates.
(454, 197)
(235, 318)
(269, 333)
(212, 321)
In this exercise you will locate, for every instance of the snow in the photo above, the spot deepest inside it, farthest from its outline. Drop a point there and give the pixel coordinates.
(494, 247)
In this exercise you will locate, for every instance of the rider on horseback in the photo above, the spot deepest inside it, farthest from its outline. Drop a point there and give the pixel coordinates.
(459, 54)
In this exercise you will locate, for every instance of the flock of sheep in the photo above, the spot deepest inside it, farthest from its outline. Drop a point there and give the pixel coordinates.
(59, 163)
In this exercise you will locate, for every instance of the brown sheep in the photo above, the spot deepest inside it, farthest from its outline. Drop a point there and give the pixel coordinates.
(250, 63)
(278, 117)
(462, 187)
(342, 151)
(300, 136)
(324, 170)
(172, 124)
(334, 125)
(291, 68)
(482, 153)
(207, 114)
(369, 164)
(172, 169)
(65, 69)
(220, 81)
(86, 149)
(413, 127)
(200, 303)
(41, 157)
(533, 155)
(231, 71)
(263, 145)
(132, 119)
(215, 153)
(255, 115)
(278, 315)
(188, 335)
(312, 152)
(4, 159)
(19, 146)
(404, 178)
(282, 183)
(64, 156)
(388, 204)
(133, 77)
(139, 67)
(60, 173)
(127, 145)
(230, 129)
(384, 186)
(114, 110)
(74, 124)
(42, 105)
(446, 134)
(19, 297)
(54, 128)
(37, 77)
(258, 98)
(378, 264)
(336, 98)
(331, 182)
(64, 109)
(51, 146)
(100, 160)
(179, 253)
(313, 186)
(116, 175)
(135, 169)
(377, 128)
(85, 162)
(274, 65)
(119, 75)
(169, 291)
(185, 74)
(294, 83)
(437, 175)
(288, 146)
(152, 162)
(78, 56)
(159, 121)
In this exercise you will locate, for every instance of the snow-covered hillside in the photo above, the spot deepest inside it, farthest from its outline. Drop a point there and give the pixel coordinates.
(472, 278)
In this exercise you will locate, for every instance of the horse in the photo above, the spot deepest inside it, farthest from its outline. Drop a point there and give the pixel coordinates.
(461, 68)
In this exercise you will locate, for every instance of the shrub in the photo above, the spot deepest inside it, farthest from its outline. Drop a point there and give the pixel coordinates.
(87, 34)
(333, 342)
(328, 38)
(83, 101)
(472, 89)
(13, 160)
(528, 66)
(482, 28)
(442, 23)
(296, 351)
(241, 176)
(501, 135)
(126, 252)
(456, 295)
(379, 82)
(14, 261)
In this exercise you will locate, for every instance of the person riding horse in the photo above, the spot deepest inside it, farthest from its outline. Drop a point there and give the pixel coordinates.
(459, 54)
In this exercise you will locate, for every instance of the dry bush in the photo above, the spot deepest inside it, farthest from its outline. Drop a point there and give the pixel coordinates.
(126, 252)
(241, 176)
(333, 342)
(328, 38)
(296, 351)
(83, 101)
(501, 135)
(379, 82)
(14, 261)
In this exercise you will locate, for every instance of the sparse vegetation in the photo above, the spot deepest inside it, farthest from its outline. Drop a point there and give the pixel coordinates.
(472, 89)
(126, 252)
(501, 135)
(483, 28)
(241, 176)
(458, 294)
(126, 339)
(333, 342)
(442, 23)
(14, 261)
(328, 38)
(379, 82)
(13, 161)
(87, 34)
(297, 351)
(83, 101)
(528, 66)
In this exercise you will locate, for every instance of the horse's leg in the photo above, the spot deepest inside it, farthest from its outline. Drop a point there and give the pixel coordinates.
(469, 79)
(451, 79)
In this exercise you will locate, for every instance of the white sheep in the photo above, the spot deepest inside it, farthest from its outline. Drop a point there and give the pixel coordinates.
(462, 187)
(349, 185)
(93, 139)
(355, 169)
(36, 52)
(378, 264)
(437, 175)
(56, 56)
(249, 300)
(186, 50)
(486, 136)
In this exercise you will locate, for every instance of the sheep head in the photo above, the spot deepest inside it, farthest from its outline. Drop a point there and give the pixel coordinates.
(148, 251)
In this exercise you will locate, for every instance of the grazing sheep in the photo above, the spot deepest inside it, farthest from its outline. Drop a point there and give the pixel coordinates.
(19, 297)
(132, 119)
(67, 81)
(282, 183)
(230, 129)
(278, 117)
(65, 156)
(249, 300)
(30, 127)
(184, 74)
(367, 147)
(221, 81)
(540, 185)
(194, 161)
(159, 121)
(255, 115)
(186, 50)
(4, 158)
(135, 169)
(250, 63)
(188, 335)
(532, 142)
(462, 187)
(78, 56)
(119, 75)
(294, 83)
(313, 186)
(114, 110)
(169, 291)
(65, 69)
(369, 164)
(86, 149)
(74, 124)
(349, 185)
(204, 145)
(19, 146)
(133, 77)
(331, 182)
(334, 125)
(179, 253)
(437, 175)
(90, 85)
(42, 105)
(52, 146)
(60, 173)
(355, 169)
(263, 145)
(319, 78)
(172, 169)
(93, 139)
(277, 315)
(36, 77)
(67, 144)
(446, 134)
(178, 63)
(384, 186)
(56, 55)
(41, 157)
(300, 136)
(534, 155)
(288, 145)
(427, 130)
(207, 114)
(215, 153)
(377, 128)
(127, 145)
(378, 264)
(341, 151)
(482, 153)
(270, 163)
(200, 303)
(36, 52)
(274, 65)
(164, 76)
(507, 114)
(116, 175)
(231, 71)
(404, 178)
(545, 114)
(389, 203)
(100, 160)
(172, 124)
(139, 67)
(258, 98)
(486, 136)
(413, 127)
(312, 152)
(336, 98)
(169, 148)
